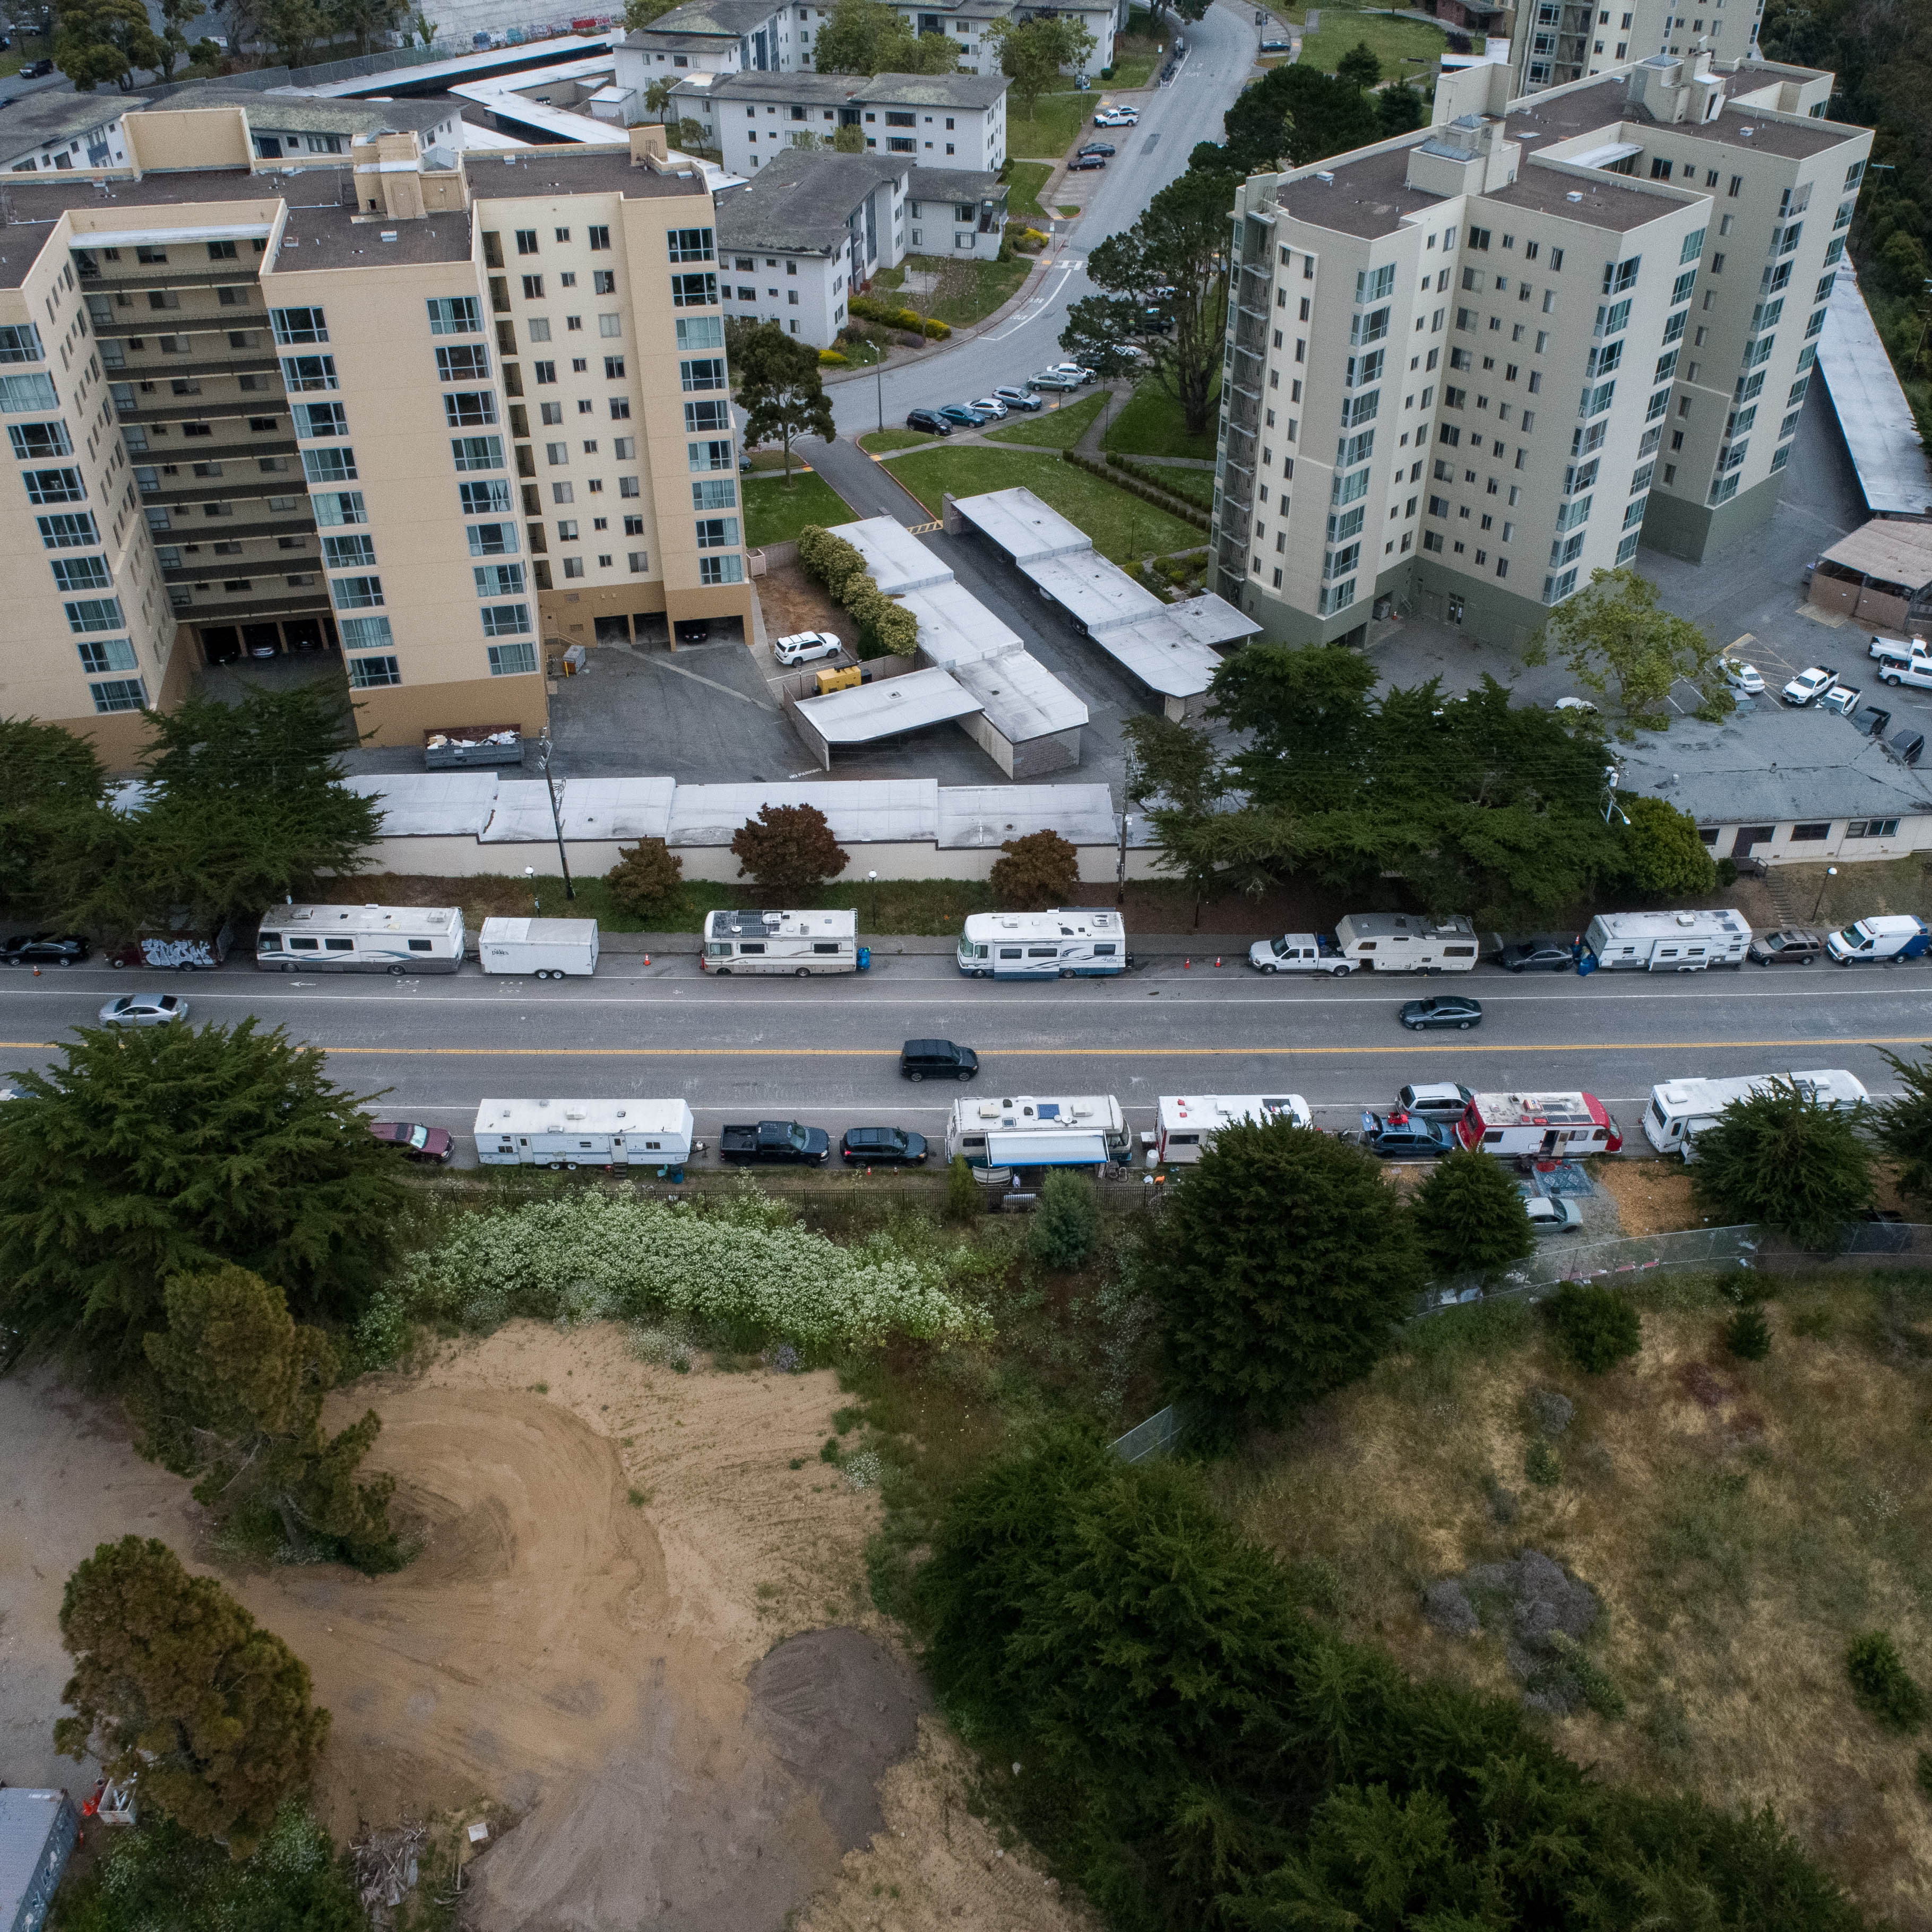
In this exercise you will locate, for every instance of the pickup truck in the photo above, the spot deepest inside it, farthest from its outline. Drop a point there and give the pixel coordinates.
(775, 1141)
(1913, 651)
(1916, 672)
(1298, 952)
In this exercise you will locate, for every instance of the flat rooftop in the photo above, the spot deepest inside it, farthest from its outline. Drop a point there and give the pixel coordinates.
(575, 170)
(1022, 698)
(862, 811)
(1100, 596)
(955, 628)
(1022, 525)
(330, 237)
(1879, 430)
(1562, 113)
(863, 712)
(587, 808)
(897, 560)
(980, 818)
(429, 804)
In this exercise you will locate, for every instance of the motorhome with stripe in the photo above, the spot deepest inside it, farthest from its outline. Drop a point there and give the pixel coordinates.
(1082, 940)
(360, 939)
(1680, 1110)
(1090, 1131)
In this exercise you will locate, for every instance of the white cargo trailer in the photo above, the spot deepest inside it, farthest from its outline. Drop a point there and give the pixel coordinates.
(1665, 942)
(539, 949)
(584, 1133)
(1189, 1122)
(1403, 942)
(1680, 1110)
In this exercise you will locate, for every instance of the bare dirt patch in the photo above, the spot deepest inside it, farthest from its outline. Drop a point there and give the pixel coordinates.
(609, 1548)
(792, 603)
(1653, 1197)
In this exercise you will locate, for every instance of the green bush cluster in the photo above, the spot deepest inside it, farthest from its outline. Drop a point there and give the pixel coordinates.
(1882, 1684)
(873, 310)
(884, 627)
(1192, 1749)
(1596, 1326)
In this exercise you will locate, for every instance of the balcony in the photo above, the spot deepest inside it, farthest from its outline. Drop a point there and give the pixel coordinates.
(208, 409)
(191, 530)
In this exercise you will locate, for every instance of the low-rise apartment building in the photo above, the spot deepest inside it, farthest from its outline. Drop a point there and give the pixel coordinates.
(966, 25)
(1538, 333)
(447, 414)
(934, 121)
(713, 36)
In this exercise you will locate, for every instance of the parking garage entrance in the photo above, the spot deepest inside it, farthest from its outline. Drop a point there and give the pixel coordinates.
(283, 636)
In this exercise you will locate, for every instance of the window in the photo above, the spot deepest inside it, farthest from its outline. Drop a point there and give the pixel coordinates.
(455, 315)
(637, 561)
(298, 325)
(468, 362)
(512, 660)
(573, 566)
(717, 532)
(370, 673)
(329, 465)
(100, 654)
(499, 579)
(95, 613)
(506, 620)
(600, 239)
(493, 540)
(526, 240)
(563, 493)
(539, 327)
(720, 569)
(20, 342)
(1872, 828)
(614, 368)
(701, 373)
(356, 553)
(620, 408)
(482, 499)
(689, 244)
(119, 694)
(550, 414)
(468, 408)
(544, 372)
(32, 441)
(475, 452)
(356, 593)
(55, 486)
(81, 573)
(556, 454)
(708, 455)
(700, 417)
(300, 373)
(533, 289)
(317, 419)
(335, 507)
(69, 531)
(699, 291)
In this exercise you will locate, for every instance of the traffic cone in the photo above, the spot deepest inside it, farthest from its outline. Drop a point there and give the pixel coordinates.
(1217, 959)
(647, 958)
(1187, 965)
(36, 972)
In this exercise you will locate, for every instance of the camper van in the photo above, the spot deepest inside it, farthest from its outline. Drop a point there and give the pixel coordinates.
(1548, 1127)
(800, 944)
(1190, 1122)
(1665, 942)
(583, 1133)
(1025, 1132)
(1085, 940)
(1403, 942)
(1680, 1110)
(1897, 935)
(360, 939)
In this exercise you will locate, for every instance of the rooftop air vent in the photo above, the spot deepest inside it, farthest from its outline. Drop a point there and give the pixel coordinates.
(1573, 195)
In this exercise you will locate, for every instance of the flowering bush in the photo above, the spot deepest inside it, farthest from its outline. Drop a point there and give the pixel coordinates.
(591, 1257)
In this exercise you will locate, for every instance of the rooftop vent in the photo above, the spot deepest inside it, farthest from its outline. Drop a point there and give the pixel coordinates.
(1575, 194)
(1325, 177)
(388, 234)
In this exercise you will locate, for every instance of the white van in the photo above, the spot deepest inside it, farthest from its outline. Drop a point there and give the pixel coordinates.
(1086, 941)
(360, 939)
(584, 1133)
(1895, 935)
(800, 944)
(1402, 942)
(1680, 1110)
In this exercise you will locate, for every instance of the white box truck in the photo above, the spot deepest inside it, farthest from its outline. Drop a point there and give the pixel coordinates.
(1403, 942)
(1664, 942)
(1680, 1110)
(1189, 1122)
(539, 949)
(584, 1133)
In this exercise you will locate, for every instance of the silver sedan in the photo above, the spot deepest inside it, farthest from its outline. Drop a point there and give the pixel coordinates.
(140, 1009)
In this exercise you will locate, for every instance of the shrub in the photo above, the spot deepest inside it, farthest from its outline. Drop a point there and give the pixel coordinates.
(1469, 1215)
(788, 849)
(1543, 1465)
(830, 359)
(1067, 1223)
(647, 881)
(1882, 1684)
(963, 1199)
(898, 316)
(1596, 1326)
(1038, 871)
(1747, 1335)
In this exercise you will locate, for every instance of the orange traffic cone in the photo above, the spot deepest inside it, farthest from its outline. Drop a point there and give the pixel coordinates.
(1217, 959)
(1186, 964)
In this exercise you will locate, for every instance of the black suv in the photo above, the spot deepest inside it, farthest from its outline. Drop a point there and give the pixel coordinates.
(45, 948)
(882, 1146)
(937, 1060)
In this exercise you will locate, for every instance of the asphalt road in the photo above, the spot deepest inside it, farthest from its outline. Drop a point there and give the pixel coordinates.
(826, 1051)
(1220, 55)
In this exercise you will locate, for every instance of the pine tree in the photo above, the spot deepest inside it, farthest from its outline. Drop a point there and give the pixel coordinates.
(1782, 1157)
(1469, 1215)
(173, 1680)
(141, 1156)
(1903, 1126)
(1067, 1222)
(238, 1403)
(1280, 1263)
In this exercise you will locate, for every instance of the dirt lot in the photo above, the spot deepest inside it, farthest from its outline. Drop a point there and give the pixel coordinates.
(792, 603)
(635, 1634)
(1653, 1197)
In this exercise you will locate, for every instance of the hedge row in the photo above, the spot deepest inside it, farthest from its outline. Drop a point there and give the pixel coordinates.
(873, 310)
(884, 627)
(1162, 499)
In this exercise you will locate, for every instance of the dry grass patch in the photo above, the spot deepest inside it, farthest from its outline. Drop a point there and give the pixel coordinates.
(1741, 1522)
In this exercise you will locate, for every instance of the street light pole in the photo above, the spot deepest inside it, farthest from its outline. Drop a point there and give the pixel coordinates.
(546, 750)
(1831, 873)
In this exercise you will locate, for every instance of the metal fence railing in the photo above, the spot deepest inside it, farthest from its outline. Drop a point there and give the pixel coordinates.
(1156, 1436)
(1630, 1257)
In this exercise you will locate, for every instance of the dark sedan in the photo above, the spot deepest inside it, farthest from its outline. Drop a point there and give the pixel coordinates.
(1081, 162)
(1445, 1009)
(414, 1142)
(882, 1146)
(1538, 956)
(1790, 946)
(45, 948)
(1394, 1135)
(1098, 148)
(930, 421)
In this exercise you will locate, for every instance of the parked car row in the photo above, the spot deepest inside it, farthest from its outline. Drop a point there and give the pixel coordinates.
(944, 419)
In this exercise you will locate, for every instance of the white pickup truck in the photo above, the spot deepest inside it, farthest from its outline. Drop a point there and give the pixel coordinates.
(1915, 671)
(1914, 652)
(1298, 952)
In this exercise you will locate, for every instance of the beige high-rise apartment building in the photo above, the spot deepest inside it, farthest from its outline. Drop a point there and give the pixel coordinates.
(449, 413)
(1557, 41)
(1466, 367)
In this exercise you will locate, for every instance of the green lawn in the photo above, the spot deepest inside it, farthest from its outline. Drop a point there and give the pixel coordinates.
(1342, 28)
(1056, 122)
(1123, 527)
(1196, 485)
(1053, 428)
(877, 442)
(994, 284)
(1130, 70)
(1024, 180)
(1151, 425)
(775, 515)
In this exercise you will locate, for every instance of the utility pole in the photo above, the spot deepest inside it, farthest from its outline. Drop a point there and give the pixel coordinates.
(545, 751)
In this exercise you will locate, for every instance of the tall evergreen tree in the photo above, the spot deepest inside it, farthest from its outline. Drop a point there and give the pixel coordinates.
(1903, 1126)
(51, 783)
(1468, 1214)
(1784, 1158)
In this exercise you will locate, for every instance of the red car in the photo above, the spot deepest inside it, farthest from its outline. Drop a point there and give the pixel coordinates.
(415, 1142)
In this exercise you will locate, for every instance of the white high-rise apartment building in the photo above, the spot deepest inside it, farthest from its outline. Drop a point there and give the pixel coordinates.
(1465, 367)
(1557, 41)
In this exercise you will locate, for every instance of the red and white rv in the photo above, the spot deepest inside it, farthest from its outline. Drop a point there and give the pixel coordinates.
(1550, 1127)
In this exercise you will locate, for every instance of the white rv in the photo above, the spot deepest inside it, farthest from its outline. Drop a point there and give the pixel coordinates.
(1403, 942)
(1025, 1132)
(800, 943)
(544, 948)
(1190, 1122)
(583, 1133)
(1680, 1110)
(360, 939)
(1665, 942)
(1087, 940)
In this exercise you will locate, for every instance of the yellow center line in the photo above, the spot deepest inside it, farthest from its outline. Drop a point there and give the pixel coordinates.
(1462, 1046)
